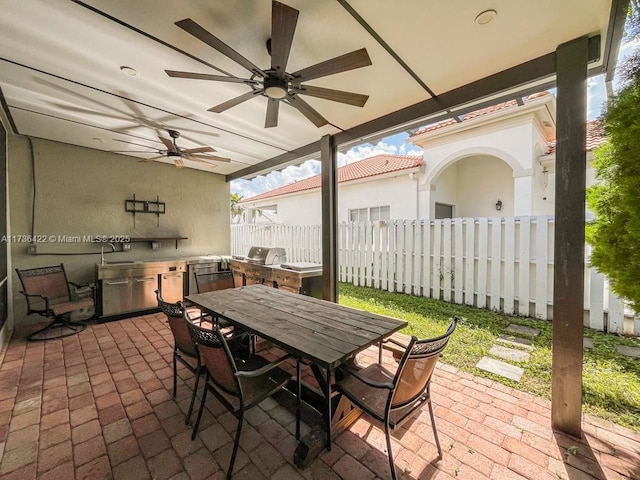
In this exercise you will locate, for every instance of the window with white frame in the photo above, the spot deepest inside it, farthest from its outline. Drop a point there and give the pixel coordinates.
(370, 214)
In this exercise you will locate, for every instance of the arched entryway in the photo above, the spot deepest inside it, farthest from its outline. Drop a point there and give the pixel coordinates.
(474, 185)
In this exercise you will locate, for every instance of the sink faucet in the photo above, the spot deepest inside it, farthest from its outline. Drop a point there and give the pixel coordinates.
(113, 249)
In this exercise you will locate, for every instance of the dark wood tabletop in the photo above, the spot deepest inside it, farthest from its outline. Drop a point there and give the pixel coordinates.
(320, 331)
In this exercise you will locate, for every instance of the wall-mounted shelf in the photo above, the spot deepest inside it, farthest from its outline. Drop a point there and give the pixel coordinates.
(157, 239)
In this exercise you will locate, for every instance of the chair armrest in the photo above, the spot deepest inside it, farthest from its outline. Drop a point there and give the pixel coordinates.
(265, 369)
(46, 310)
(394, 341)
(46, 299)
(367, 381)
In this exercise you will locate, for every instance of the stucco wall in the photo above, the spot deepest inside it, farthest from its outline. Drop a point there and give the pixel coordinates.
(444, 190)
(398, 192)
(511, 141)
(302, 209)
(305, 208)
(80, 191)
(482, 180)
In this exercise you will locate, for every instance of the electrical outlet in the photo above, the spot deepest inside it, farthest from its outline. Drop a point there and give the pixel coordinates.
(126, 247)
(155, 245)
(32, 249)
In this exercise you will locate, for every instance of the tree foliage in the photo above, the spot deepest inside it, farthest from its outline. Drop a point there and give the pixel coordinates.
(236, 209)
(615, 198)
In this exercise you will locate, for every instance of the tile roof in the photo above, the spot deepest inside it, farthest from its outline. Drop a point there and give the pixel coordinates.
(369, 167)
(595, 137)
(479, 113)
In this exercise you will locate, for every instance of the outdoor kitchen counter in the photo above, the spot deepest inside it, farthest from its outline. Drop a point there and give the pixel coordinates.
(305, 281)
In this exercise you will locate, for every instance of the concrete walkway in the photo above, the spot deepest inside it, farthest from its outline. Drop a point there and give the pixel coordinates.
(98, 405)
(511, 348)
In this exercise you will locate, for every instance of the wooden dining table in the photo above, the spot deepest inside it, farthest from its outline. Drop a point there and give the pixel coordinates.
(320, 333)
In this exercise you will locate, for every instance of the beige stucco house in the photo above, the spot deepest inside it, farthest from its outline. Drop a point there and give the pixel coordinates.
(494, 162)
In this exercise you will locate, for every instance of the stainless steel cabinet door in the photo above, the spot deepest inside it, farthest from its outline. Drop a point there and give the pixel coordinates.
(172, 287)
(116, 296)
(143, 294)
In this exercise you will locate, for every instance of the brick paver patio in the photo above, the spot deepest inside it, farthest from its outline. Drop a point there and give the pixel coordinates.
(98, 405)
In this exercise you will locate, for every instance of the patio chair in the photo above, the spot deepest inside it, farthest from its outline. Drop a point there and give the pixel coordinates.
(209, 282)
(390, 398)
(238, 384)
(184, 351)
(47, 292)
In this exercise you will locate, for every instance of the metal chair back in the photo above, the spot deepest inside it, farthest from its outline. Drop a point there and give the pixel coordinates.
(50, 282)
(416, 368)
(217, 358)
(174, 313)
(208, 282)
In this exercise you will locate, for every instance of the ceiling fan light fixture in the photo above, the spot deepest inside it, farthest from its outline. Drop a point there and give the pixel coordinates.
(275, 88)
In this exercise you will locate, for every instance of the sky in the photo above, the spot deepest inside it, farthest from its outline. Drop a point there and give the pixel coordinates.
(396, 144)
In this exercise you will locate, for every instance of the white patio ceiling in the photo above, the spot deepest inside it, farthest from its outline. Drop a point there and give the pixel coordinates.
(60, 65)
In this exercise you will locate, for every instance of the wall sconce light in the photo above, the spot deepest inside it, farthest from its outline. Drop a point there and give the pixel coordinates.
(499, 205)
(545, 176)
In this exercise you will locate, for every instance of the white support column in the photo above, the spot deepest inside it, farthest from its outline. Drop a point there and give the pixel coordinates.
(523, 196)
(425, 197)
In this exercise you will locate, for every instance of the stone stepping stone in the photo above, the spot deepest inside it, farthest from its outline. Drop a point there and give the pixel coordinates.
(501, 368)
(507, 353)
(522, 330)
(587, 343)
(516, 341)
(629, 351)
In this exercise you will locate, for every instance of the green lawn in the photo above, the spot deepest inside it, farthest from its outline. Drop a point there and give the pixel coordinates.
(611, 382)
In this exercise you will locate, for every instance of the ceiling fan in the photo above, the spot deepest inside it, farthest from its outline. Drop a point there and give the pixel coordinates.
(276, 83)
(176, 153)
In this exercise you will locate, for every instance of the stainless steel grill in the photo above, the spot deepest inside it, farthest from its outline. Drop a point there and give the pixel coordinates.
(266, 255)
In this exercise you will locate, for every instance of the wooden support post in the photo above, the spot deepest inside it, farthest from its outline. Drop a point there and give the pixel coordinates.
(568, 279)
(329, 160)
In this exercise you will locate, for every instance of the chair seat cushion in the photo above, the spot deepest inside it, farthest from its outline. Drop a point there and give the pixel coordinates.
(67, 307)
(255, 389)
(374, 400)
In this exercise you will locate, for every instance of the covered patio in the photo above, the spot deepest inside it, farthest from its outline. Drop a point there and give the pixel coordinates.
(100, 406)
(97, 405)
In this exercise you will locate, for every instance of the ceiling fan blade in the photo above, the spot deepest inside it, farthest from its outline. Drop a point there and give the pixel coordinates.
(168, 143)
(207, 158)
(272, 113)
(348, 61)
(178, 163)
(308, 111)
(356, 99)
(234, 101)
(203, 35)
(206, 76)
(283, 27)
(152, 159)
(199, 150)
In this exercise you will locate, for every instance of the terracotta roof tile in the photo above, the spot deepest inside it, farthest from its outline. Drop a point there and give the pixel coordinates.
(479, 113)
(369, 167)
(595, 138)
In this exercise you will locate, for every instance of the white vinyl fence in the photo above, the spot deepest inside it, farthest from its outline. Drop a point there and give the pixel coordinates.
(503, 264)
